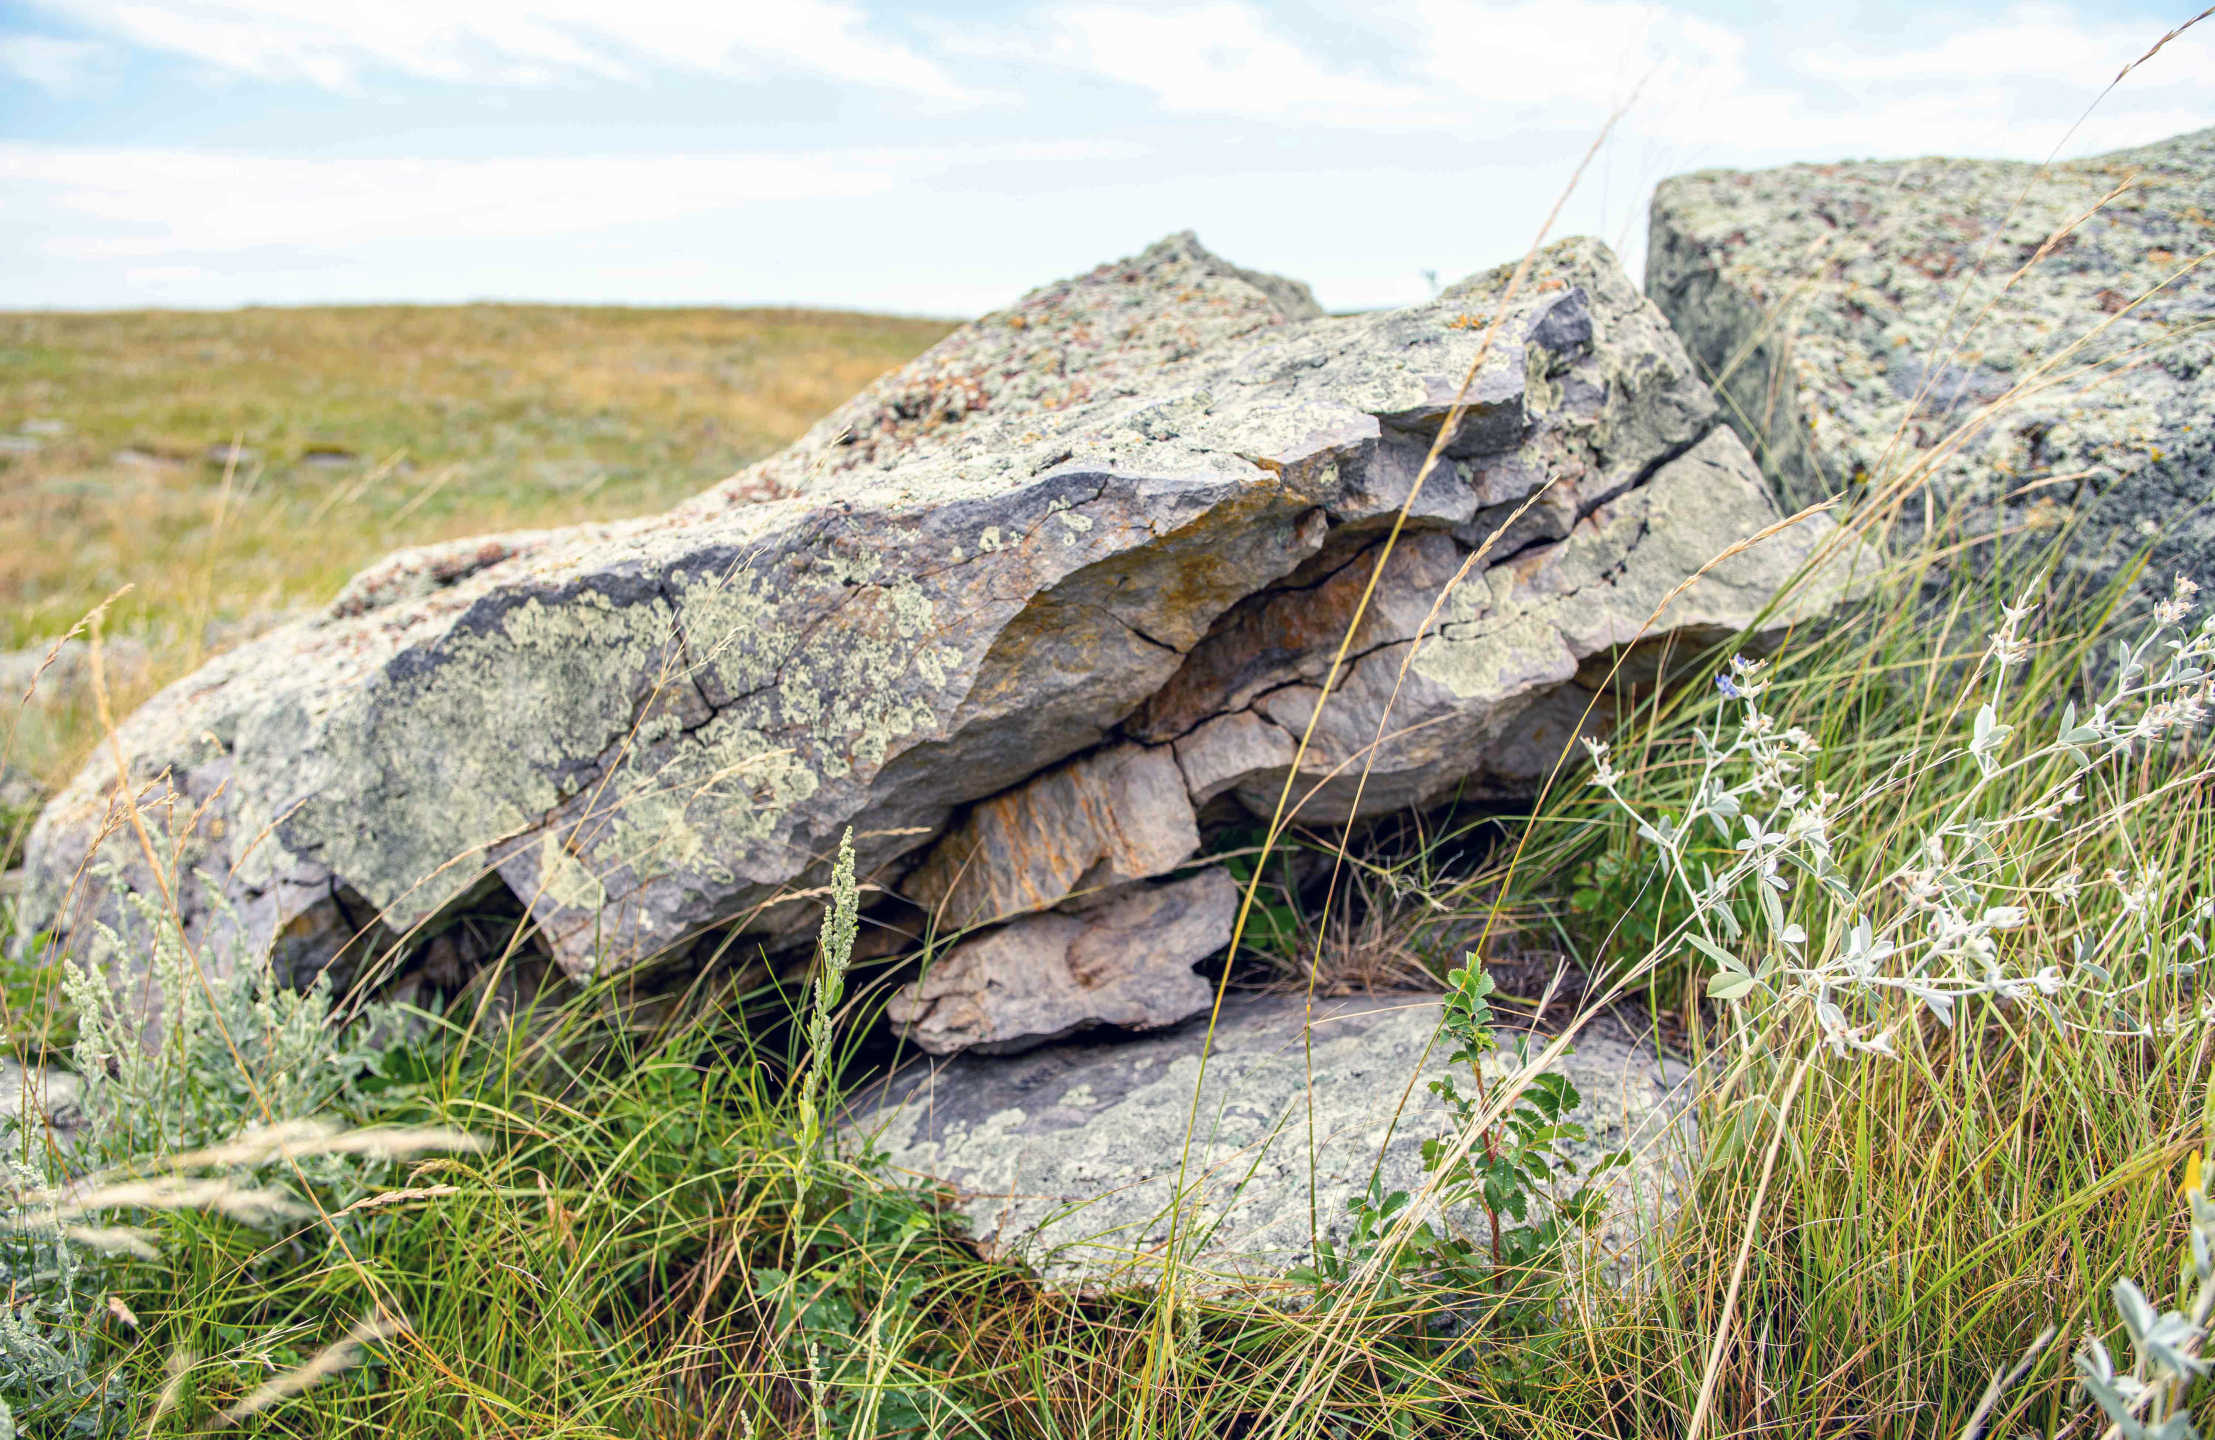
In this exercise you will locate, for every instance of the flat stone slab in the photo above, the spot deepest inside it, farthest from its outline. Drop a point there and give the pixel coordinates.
(1854, 316)
(1069, 1157)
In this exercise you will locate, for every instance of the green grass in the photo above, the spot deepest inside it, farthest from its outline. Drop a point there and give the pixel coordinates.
(368, 428)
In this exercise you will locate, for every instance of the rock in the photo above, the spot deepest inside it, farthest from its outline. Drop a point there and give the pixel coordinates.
(1857, 314)
(1115, 815)
(1068, 1156)
(146, 459)
(1127, 963)
(1506, 669)
(1009, 580)
(39, 1098)
(19, 791)
(1224, 751)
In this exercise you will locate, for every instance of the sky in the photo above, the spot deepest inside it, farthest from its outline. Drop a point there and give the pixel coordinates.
(942, 156)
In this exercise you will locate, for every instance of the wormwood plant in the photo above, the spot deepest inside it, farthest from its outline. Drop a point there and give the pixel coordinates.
(47, 1355)
(151, 1104)
(834, 954)
(234, 1047)
(850, 1308)
(1930, 924)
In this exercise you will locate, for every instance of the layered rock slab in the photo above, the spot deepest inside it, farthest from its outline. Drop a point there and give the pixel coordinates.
(1856, 316)
(1069, 1157)
(1119, 814)
(994, 562)
(1127, 963)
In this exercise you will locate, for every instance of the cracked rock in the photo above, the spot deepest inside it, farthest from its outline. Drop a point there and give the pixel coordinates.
(1127, 963)
(1836, 304)
(1032, 579)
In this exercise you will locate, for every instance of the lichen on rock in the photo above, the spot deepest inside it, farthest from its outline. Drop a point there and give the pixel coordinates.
(1864, 320)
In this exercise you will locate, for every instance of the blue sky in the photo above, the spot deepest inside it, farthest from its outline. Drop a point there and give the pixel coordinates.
(942, 157)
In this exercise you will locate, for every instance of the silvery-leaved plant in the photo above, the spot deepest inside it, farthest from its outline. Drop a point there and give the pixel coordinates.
(50, 1376)
(234, 1054)
(2149, 1399)
(233, 1047)
(1934, 925)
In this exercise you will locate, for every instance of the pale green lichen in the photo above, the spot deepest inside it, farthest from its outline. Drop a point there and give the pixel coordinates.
(911, 609)
(1541, 391)
(731, 627)
(464, 752)
(563, 880)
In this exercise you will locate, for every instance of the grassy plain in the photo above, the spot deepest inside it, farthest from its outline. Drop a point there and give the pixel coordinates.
(361, 429)
(1893, 1198)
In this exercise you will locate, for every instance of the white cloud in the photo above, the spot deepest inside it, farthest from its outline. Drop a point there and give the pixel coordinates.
(54, 65)
(1478, 67)
(2033, 42)
(519, 42)
(148, 203)
(2012, 87)
(1215, 58)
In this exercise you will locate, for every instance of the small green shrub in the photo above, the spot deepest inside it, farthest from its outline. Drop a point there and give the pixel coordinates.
(1513, 1172)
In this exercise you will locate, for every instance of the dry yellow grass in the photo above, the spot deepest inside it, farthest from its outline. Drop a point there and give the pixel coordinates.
(364, 429)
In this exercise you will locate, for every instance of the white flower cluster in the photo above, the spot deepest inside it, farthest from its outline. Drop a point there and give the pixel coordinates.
(1935, 926)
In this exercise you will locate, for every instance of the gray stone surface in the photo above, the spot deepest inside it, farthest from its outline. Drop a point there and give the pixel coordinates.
(19, 788)
(1855, 315)
(1069, 1156)
(1128, 963)
(39, 1099)
(995, 560)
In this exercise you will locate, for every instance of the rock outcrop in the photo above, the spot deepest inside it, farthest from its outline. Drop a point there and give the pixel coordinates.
(1069, 1157)
(1012, 615)
(1854, 316)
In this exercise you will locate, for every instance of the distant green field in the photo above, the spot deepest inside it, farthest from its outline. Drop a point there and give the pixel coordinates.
(359, 430)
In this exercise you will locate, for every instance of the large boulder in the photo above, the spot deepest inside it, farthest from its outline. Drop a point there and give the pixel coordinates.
(1090, 552)
(1855, 316)
(1070, 1157)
